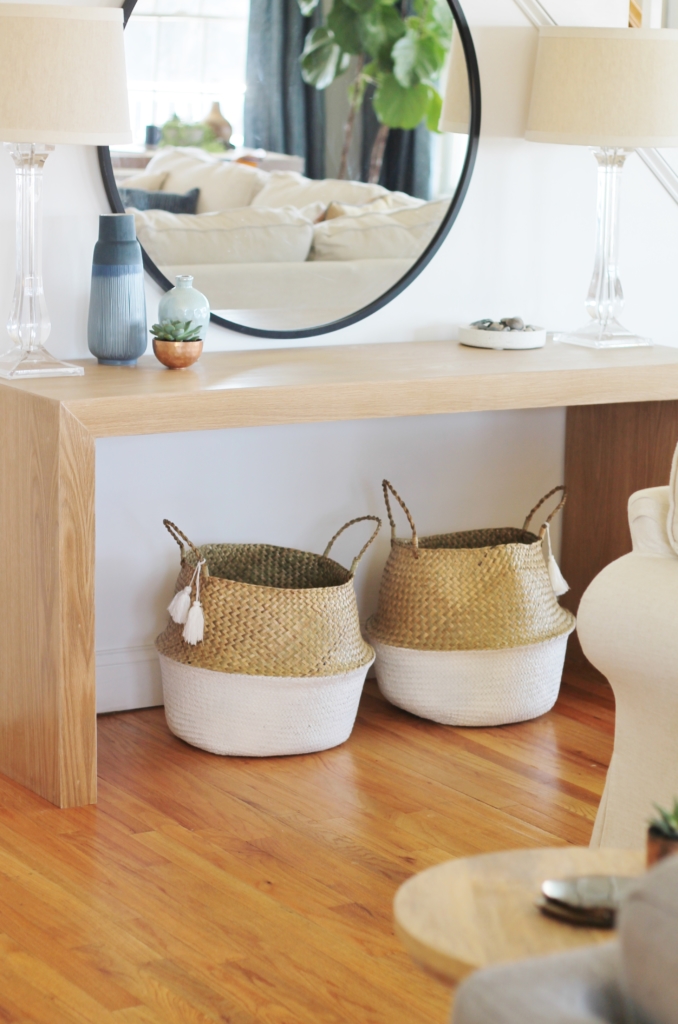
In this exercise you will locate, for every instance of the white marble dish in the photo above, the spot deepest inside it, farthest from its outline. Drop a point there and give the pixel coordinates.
(475, 337)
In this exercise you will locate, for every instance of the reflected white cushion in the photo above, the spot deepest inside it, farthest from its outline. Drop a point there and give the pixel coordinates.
(223, 184)
(151, 182)
(398, 234)
(289, 291)
(232, 236)
(288, 188)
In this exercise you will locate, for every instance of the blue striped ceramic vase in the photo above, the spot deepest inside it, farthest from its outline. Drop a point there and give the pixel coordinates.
(116, 328)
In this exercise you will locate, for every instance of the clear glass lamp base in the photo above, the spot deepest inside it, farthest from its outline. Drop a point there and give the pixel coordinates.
(18, 364)
(28, 325)
(601, 334)
(605, 299)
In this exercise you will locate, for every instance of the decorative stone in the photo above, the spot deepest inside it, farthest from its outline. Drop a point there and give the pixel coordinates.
(508, 323)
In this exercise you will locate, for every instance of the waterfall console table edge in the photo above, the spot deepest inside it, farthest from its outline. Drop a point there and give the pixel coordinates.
(47, 456)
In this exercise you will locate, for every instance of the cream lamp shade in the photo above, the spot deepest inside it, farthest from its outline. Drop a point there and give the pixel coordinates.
(62, 75)
(615, 88)
(506, 56)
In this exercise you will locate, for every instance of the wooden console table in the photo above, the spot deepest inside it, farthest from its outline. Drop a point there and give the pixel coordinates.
(48, 430)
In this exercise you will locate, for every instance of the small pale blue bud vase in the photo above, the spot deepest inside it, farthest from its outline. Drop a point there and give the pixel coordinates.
(117, 330)
(185, 303)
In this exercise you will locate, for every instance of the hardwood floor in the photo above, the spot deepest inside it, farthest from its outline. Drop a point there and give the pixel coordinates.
(205, 889)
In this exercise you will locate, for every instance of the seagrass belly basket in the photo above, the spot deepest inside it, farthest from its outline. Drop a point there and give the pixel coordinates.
(468, 629)
(263, 653)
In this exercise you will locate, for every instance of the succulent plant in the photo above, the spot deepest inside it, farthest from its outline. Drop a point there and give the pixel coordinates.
(176, 330)
(666, 822)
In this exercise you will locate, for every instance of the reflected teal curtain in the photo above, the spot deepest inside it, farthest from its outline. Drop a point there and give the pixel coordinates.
(407, 157)
(282, 114)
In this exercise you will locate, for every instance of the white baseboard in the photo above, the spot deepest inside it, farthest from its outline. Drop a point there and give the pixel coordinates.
(128, 678)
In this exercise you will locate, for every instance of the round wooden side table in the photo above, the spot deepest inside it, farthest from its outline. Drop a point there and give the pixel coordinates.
(474, 912)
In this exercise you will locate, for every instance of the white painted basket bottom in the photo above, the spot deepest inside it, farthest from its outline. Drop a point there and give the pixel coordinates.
(259, 716)
(472, 687)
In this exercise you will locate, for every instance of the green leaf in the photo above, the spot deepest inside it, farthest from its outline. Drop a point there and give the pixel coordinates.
(380, 28)
(417, 57)
(430, 57)
(440, 13)
(360, 6)
(666, 823)
(307, 7)
(404, 55)
(321, 59)
(344, 22)
(399, 107)
(435, 109)
(176, 330)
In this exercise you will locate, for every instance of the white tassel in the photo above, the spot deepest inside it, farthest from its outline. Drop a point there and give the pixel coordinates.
(558, 581)
(194, 630)
(179, 605)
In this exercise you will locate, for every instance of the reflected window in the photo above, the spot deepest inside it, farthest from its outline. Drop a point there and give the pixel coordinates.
(182, 55)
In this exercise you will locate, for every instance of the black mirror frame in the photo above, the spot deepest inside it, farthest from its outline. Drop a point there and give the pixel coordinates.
(455, 205)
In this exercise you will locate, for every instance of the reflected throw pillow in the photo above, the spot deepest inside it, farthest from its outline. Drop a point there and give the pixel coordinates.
(382, 204)
(149, 181)
(396, 234)
(172, 202)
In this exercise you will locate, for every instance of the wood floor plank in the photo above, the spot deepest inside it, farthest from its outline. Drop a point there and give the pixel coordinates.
(258, 891)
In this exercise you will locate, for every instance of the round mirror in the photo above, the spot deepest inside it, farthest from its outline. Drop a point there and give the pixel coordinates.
(290, 155)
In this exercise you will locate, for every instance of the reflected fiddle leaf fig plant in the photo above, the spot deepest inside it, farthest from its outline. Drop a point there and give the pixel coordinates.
(400, 50)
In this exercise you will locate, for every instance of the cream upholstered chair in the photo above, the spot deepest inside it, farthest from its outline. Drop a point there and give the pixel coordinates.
(631, 981)
(628, 628)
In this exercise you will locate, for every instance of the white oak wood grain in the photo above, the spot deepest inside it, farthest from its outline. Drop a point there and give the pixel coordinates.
(47, 686)
(48, 427)
(235, 389)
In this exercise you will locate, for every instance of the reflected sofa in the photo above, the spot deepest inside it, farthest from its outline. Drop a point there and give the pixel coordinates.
(262, 240)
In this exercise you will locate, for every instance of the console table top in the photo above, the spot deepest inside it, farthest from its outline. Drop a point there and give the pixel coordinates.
(275, 386)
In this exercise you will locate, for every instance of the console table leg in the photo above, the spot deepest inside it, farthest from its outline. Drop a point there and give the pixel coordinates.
(610, 452)
(47, 673)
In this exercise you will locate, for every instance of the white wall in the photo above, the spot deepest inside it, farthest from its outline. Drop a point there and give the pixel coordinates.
(523, 244)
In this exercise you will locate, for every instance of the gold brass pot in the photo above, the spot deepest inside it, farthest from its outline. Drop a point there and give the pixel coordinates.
(177, 355)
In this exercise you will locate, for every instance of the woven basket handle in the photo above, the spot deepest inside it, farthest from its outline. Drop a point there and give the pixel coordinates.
(360, 519)
(387, 486)
(182, 540)
(554, 490)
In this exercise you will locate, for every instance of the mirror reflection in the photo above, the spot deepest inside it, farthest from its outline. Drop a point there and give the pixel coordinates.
(287, 152)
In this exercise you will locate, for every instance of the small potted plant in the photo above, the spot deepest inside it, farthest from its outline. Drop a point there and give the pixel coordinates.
(177, 343)
(662, 834)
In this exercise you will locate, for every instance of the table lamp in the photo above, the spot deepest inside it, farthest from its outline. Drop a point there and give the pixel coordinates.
(614, 89)
(506, 56)
(62, 80)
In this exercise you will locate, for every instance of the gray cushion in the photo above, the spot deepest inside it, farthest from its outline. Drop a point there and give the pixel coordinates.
(648, 934)
(581, 987)
(172, 202)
